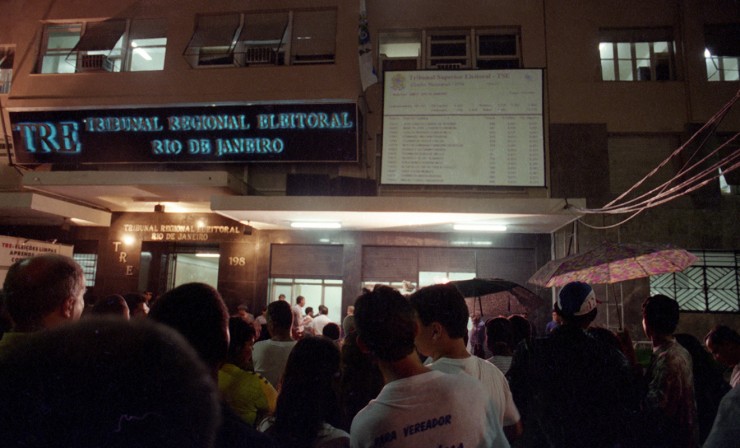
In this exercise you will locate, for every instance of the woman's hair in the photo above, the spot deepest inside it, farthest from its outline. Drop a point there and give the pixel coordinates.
(308, 392)
(240, 333)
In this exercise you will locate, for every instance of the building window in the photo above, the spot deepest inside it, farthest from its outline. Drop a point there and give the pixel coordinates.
(103, 46)
(711, 284)
(147, 45)
(637, 55)
(722, 52)
(327, 292)
(488, 48)
(89, 264)
(7, 54)
(253, 39)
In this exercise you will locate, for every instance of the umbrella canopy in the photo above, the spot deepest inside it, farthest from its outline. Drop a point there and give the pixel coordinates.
(495, 296)
(613, 262)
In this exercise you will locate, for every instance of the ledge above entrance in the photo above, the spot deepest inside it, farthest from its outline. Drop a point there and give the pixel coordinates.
(405, 214)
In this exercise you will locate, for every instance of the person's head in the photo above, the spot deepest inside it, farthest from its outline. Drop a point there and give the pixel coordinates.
(281, 296)
(300, 300)
(659, 316)
(350, 310)
(323, 310)
(107, 382)
(443, 316)
(499, 336)
(308, 392)
(331, 331)
(386, 323)
(242, 311)
(241, 341)
(137, 304)
(309, 311)
(279, 316)
(198, 312)
(44, 291)
(521, 328)
(576, 304)
(113, 304)
(724, 344)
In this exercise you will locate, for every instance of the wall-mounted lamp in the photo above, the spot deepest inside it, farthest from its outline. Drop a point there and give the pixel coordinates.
(159, 208)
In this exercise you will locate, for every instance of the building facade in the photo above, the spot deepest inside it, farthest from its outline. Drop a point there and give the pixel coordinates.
(146, 133)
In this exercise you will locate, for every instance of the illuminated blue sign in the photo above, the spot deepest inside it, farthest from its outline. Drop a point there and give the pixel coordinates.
(250, 133)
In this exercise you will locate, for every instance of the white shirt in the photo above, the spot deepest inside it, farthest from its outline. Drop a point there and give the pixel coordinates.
(735, 376)
(318, 324)
(429, 410)
(269, 358)
(492, 379)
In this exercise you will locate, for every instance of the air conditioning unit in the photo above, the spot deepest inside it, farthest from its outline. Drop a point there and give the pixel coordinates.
(93, 63)
(450, 66)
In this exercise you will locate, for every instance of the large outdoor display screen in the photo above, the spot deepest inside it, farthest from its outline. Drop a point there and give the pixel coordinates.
(322, 132)
(463, 127)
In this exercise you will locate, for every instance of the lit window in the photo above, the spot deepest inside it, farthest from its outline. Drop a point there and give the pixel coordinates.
(709, 285)
(637, 55)
(103, 46)
(722, 52)
(59, 41)
(6, 67)
(147, 45)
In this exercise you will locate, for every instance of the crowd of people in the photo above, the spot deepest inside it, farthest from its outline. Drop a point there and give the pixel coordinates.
(400, 371)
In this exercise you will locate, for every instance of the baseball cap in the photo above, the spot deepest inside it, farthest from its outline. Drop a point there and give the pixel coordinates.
(576, 299)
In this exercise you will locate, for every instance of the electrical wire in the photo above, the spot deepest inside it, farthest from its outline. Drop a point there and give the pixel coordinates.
(685, 181)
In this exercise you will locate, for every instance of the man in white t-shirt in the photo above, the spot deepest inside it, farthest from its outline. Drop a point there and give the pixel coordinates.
(297, 309)
(442, 316)
(319, 322)
(417, 407)
(271, 355)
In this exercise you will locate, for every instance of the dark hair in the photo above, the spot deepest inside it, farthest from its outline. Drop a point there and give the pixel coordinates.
(661, 314)
(499, 335)
(280, 314)
(323, 309)
(240, 333)
(133, 300)
(299, 299)
(521, 329)
(198, 312)
(331, 331)
(113, 304)
(361, 381)
(106, 382)
(444, 304)
(722, 334)
(386, 323)
(309, 310)
(36, 286)
(308, 396)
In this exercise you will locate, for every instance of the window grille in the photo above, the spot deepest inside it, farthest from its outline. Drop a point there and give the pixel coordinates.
(711, 284)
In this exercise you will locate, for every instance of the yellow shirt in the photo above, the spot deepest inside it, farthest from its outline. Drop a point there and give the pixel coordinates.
(249, 394)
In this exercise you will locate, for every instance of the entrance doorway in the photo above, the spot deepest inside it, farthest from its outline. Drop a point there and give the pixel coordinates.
(167, 265)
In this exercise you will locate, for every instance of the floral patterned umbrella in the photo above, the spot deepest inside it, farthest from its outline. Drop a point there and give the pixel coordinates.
(612, 263)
